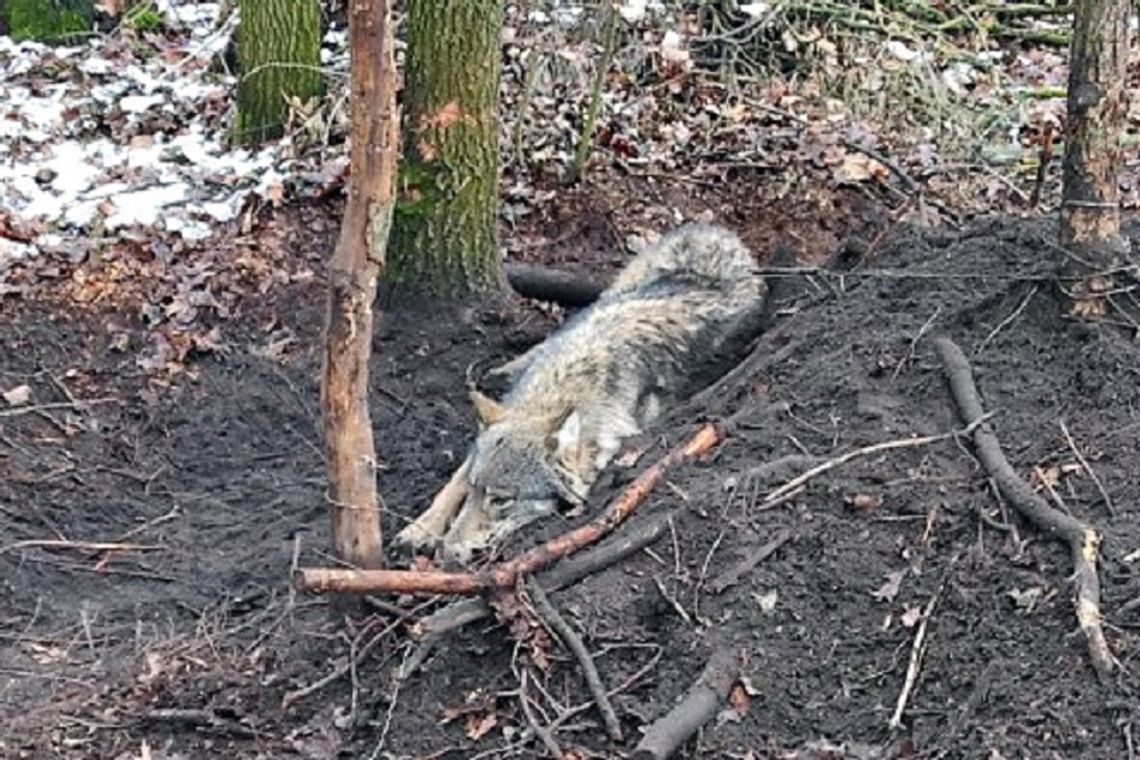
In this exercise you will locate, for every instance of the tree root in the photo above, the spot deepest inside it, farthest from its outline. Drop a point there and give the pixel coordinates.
(668, 733)
(507, 574)
(1082, 539)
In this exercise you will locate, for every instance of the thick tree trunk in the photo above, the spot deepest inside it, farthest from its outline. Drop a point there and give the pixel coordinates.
(1090, 209)
(445, 238)
(46, 20)
(279, 48)
(353, 273)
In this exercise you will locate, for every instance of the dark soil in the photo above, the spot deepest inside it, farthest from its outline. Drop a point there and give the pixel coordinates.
(185, 646)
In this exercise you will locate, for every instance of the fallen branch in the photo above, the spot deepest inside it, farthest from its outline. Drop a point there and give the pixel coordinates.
(76, 404)
(1088, 470)
(1082, 539)
(553, 285)
(564, 574)
(83, 546)
(669, 732)
(507, 574)
(545, 735)
(732, 576)
(550, 614)
(875, 448)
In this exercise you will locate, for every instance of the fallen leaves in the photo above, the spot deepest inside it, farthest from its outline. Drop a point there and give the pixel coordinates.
(20, 395)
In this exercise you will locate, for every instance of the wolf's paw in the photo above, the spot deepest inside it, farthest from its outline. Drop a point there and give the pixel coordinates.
(418, 537)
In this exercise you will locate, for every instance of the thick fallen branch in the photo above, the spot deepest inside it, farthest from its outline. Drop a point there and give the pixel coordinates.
(566, 573)
(507, 574)
(1082, 539)
(553, 285)
(668, 733)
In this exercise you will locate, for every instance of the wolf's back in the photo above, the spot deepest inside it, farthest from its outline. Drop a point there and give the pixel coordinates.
(696, 255)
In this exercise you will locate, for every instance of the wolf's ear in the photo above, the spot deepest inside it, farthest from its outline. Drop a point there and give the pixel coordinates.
(489, 410)
(567, 444)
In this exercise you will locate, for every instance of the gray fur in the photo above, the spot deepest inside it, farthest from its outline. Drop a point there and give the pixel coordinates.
(674, 310)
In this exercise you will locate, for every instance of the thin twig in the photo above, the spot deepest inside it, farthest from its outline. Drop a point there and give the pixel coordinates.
(1088, 469)
(550, 614)
(914, 342)
(84, 546)
(732, 576)
(56, 405)
(917, 649)
(391, 707)
(900, 443)
(544, 734)
(1005, 322)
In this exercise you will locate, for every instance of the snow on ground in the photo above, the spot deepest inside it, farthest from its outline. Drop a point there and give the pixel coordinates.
(124, 136)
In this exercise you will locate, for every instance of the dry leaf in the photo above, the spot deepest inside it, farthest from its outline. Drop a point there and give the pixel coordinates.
(857, 167)
(767, 601)
(889, 590)
(18, 396)
(43, 654)
(864, 502)
(1048, 477)
(911, 616)
(477, 727)
(739, 700)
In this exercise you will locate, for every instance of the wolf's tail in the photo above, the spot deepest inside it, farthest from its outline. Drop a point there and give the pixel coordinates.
(698, 255)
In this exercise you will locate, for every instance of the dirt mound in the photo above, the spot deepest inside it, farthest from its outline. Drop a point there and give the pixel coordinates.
(190, 638)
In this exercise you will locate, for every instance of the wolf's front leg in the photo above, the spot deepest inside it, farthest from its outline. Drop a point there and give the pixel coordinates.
(428, 529)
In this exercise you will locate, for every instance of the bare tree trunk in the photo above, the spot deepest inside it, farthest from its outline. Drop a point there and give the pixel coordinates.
(279, 47)
(353, 273)
(445, 238)
(1097, 103)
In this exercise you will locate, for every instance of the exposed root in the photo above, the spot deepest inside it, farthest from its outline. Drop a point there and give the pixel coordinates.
(1082, 539)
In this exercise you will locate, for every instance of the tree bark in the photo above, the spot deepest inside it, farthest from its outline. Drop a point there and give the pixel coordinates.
(353, 273)
(1090, 207)
(46, 20)
(279, 49)
(445, 239)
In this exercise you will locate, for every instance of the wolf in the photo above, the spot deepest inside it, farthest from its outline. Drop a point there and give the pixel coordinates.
(678, 309)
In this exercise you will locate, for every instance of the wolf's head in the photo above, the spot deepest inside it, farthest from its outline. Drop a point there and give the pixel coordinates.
(521, 469)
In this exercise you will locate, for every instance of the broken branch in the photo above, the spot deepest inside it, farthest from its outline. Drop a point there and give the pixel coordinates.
(565, 574)
(507, 574)
(1082, 539)
(672, 730)
(550, 614)
(875, 448)
(732, 576)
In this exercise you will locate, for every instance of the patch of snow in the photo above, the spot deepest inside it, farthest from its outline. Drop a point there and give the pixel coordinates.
(143, 207)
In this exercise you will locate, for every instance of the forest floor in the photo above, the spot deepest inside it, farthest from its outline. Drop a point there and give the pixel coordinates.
(186, 644)
(161, 474)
